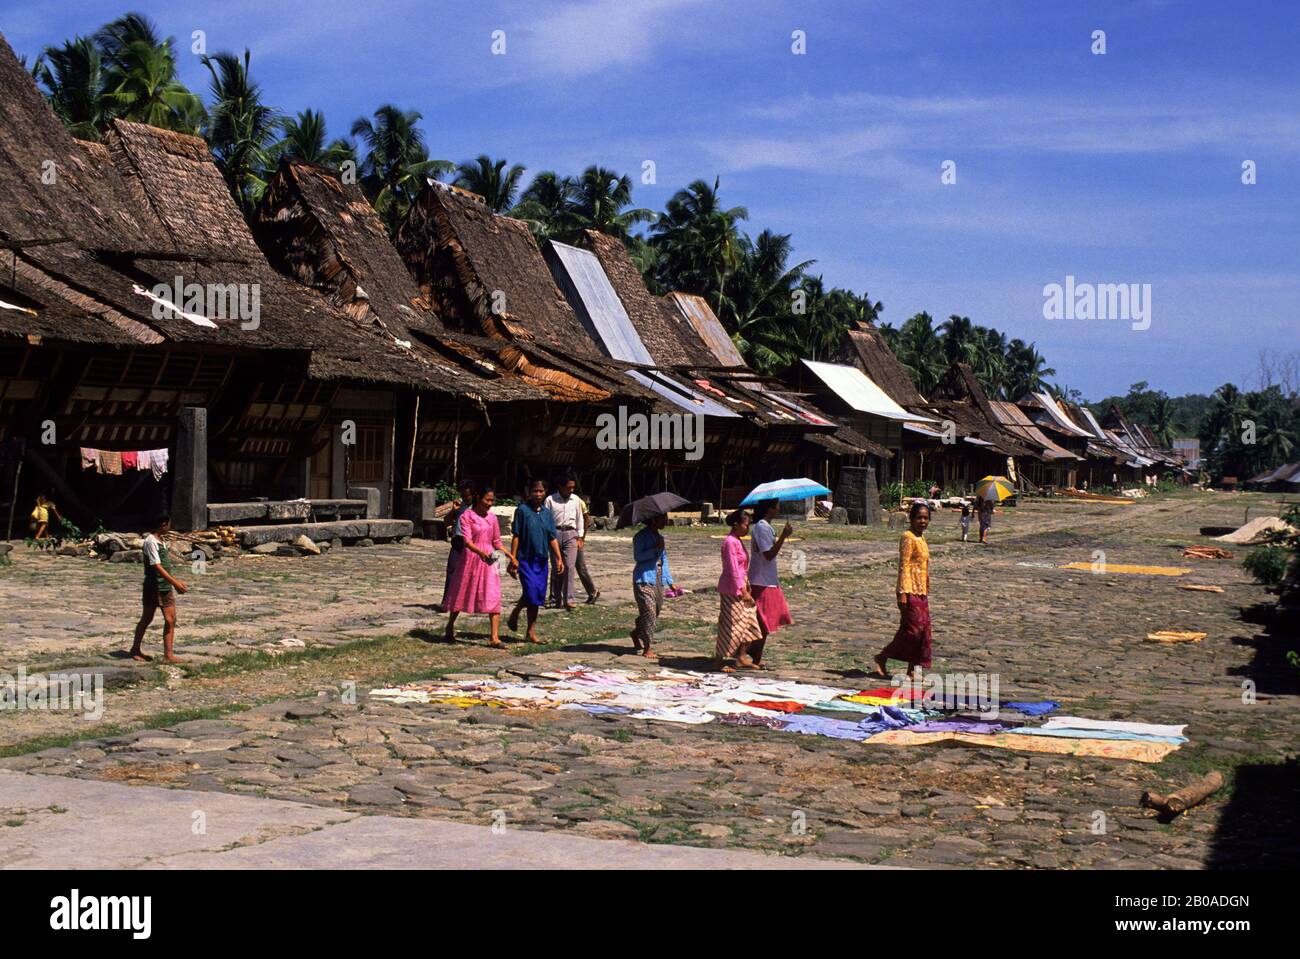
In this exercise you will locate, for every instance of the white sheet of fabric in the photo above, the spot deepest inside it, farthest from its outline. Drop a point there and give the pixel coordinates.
(1150, 729)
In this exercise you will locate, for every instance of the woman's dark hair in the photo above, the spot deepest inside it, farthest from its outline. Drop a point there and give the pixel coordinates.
(916, 508)
(735, 516)
(465, 485)
(762, 507)
(161, 520)
(479, 494)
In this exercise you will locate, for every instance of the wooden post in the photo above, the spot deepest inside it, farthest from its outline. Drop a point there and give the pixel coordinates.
(13, 500)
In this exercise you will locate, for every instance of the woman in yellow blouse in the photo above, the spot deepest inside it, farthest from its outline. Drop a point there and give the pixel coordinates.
(912, 641)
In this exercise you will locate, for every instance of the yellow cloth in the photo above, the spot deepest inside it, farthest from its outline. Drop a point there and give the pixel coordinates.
(41, 514)
(913, 565)
(1131, 749)
(1121, 568)
(875, 700)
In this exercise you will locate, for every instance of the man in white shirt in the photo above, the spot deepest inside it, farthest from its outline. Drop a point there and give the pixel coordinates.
(568, 512)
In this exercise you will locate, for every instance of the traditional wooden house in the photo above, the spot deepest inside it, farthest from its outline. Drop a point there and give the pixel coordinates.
(483, 273)
(962, 407)
(147, 319)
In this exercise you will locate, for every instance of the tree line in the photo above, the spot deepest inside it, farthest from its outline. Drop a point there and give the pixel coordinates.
(775, 308)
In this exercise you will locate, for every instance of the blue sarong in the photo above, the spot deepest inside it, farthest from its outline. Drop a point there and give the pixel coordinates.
(533, 574)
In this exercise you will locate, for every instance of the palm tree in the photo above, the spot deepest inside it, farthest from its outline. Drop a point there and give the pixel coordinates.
(142, 80)
(1162, 421)
(600, 198)
(989, 360)
(759, 305)
(490, 180)
(397, 162)
(959, 339)
(920, 350)
(547, 206)
(242, 128)
(700, 240)
(303, 138)
(1027, 370)
(76, 85)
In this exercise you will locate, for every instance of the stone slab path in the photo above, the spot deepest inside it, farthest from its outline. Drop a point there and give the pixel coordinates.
(50, 822)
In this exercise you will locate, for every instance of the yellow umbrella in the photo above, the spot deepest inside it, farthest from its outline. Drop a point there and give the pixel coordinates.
(996, 488)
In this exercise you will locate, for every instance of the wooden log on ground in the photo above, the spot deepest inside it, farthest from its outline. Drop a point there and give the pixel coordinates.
(1181, 800)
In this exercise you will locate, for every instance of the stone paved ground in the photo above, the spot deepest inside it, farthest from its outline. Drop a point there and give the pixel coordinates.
(249, 715)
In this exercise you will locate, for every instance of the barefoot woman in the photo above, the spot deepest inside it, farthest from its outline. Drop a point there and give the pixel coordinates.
(764, 581)
(912, 641)
(737, 623)
(475, 585)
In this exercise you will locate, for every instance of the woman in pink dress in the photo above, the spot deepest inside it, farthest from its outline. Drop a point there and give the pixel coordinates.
(738, 625)
(475, 585)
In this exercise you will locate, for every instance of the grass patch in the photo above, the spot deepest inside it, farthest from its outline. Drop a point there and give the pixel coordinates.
(161, 720)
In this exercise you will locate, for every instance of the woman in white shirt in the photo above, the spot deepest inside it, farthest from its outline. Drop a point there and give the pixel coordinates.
(764, 580)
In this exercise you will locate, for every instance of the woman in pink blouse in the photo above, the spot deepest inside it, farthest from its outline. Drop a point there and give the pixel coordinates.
(737, 620)
(475, 586)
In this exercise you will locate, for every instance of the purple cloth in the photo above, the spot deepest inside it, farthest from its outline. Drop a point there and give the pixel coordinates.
(749, 719)
(822, 726)
(955, 726)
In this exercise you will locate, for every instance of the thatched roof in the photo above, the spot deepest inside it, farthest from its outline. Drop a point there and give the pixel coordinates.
(669, 337)
(325, 234)
(52, 189)
(484, 273)
(960, 398)
(865, 348)
(503, 272)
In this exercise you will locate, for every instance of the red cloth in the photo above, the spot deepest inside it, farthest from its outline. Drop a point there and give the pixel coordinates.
(129, 461)
(783, 706)
(911, 643)
(772, 610)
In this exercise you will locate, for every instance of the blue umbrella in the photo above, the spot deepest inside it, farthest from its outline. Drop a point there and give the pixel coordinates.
(785, 489)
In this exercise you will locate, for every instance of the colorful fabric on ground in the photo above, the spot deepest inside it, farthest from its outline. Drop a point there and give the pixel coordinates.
(691, 698)
(1097, 734)
(1033, 709)
(1146, 729)
(1142, 752)
(1131, 570)
(823, 726)
(955, 726)
(776, 706)
(750, 719)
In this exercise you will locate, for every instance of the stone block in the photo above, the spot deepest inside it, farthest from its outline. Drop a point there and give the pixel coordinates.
(368, 493)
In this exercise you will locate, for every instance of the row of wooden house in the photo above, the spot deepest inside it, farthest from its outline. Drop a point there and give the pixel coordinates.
(458, 349)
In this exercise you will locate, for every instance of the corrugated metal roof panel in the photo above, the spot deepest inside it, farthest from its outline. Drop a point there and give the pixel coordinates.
(579, 274)
(697, 312)
(857, 390)
(1058, 415)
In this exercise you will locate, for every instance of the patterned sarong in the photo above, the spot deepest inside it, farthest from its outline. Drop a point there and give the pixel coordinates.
(737, 626)
(911, 643)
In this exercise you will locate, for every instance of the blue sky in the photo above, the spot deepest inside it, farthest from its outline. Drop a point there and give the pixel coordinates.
(1119, 168)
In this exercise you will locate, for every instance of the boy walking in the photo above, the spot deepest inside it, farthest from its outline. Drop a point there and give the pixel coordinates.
(160, 589)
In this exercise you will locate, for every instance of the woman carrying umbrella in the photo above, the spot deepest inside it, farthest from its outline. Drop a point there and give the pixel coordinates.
(912, 641)
(990, 491)
(764, 579)
(738, 626)
(651, 558)
(475, 586)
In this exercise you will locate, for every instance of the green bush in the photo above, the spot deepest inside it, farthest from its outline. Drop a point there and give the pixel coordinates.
(1267, 564)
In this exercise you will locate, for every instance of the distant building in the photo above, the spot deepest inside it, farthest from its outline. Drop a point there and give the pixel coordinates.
(1189, 451)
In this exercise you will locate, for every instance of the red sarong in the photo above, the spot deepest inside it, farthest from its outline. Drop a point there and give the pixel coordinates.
(911, 643)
